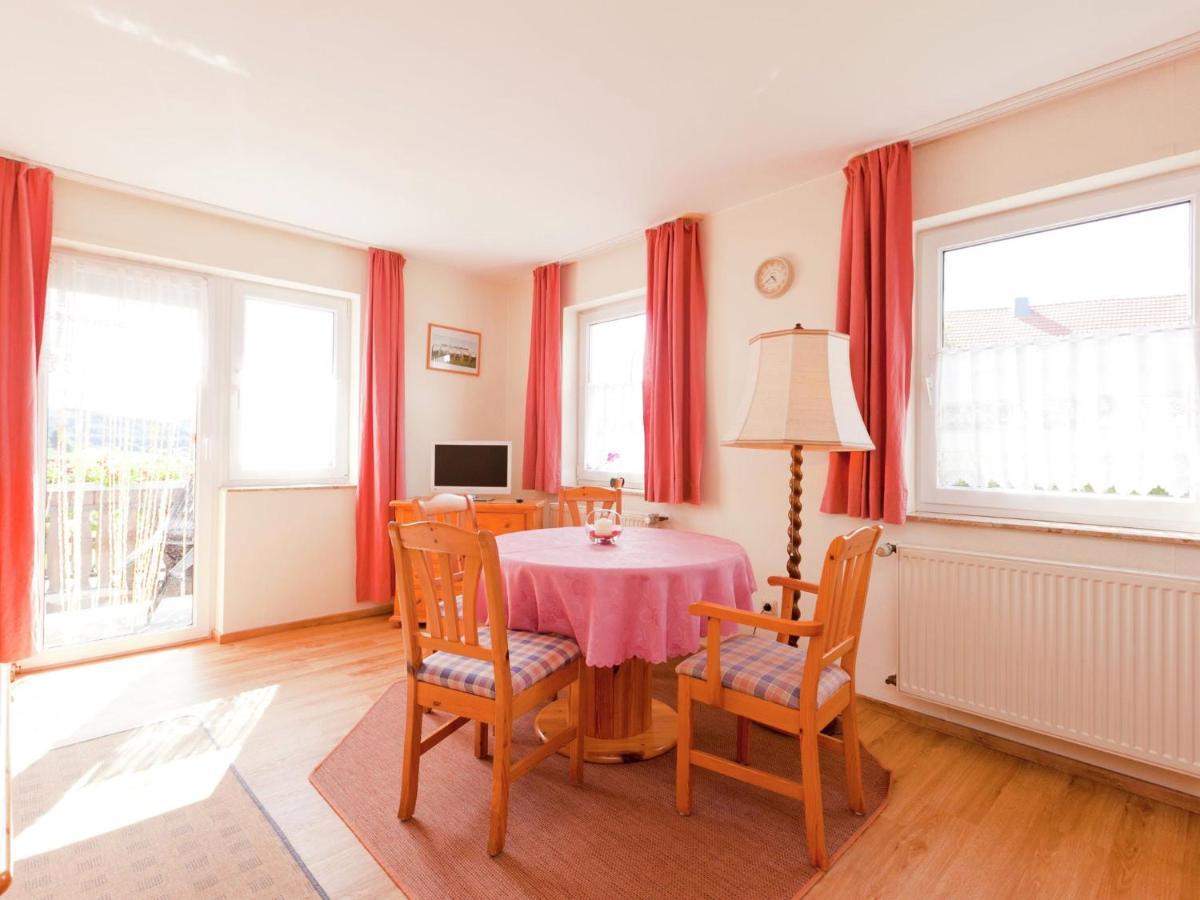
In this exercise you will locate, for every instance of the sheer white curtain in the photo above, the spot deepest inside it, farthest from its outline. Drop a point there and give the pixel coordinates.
(614, 438)
(1109, 414)
(122, 361)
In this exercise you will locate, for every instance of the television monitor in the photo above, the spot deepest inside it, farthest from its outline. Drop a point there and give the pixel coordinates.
(473, 467)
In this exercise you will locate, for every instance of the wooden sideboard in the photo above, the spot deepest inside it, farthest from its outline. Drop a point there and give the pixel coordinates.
(497, 516)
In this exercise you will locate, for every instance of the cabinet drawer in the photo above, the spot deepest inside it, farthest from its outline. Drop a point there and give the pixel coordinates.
(501, 523)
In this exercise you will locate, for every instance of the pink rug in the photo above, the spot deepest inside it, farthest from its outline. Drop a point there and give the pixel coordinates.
(616, 836)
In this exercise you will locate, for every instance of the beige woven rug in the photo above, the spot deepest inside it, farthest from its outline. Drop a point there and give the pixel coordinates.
(156, 812)
(618, 836)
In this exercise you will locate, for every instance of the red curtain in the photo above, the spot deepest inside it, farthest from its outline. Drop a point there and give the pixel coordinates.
(875, 298)
(26, 203)
(542, 467)
(381, 471)
(673, 385)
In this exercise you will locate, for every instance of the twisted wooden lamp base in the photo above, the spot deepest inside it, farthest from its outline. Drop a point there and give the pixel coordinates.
(796, 487)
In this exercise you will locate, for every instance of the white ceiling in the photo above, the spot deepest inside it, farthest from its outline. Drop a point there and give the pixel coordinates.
(496, 134)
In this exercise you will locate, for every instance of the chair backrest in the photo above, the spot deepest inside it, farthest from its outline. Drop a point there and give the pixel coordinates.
(420, 550)
(841, 599)
(449, 509)
(569, 499)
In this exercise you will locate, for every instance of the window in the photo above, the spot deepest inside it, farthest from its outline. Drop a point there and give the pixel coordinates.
(1057, 361)
(612, 344)
(290, 401)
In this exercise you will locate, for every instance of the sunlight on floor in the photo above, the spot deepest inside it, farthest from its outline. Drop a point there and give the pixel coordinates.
(150, 775)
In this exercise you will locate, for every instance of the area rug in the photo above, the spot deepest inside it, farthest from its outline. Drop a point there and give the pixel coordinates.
(616, 836)
(155, 812)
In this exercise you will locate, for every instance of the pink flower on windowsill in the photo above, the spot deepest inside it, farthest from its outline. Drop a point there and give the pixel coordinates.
(612, 457)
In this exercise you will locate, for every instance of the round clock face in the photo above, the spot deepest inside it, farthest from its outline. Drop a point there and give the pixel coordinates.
(773, 277)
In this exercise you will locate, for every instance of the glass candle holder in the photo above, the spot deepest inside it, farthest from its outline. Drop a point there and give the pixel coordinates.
(603, 526)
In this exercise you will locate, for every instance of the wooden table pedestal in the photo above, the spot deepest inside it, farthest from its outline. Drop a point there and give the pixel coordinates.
(622, 723)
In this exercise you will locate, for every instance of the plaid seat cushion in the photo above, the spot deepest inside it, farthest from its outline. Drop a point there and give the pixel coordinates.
(531, 658)
(765, 669)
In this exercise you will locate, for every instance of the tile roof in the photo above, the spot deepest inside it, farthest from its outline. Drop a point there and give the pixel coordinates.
(1023, 322)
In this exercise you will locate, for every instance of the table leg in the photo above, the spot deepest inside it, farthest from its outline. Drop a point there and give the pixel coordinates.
(623, 722)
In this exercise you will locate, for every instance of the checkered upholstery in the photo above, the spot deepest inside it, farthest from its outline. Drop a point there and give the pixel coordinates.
(531, 658)
(766, 669)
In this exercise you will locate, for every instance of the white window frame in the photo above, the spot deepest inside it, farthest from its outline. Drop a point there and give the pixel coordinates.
(604, 312)
(1099, 510)
(339, 472)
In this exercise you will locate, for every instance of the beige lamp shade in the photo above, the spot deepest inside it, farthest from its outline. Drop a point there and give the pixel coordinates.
(799, 392)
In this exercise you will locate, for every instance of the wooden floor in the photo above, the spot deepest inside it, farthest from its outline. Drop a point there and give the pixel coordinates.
(963, 821)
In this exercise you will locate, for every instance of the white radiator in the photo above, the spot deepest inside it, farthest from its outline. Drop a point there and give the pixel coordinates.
(1104, 657)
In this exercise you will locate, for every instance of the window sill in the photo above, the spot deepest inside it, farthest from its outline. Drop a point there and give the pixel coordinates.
(1097, 531)
(286, 487)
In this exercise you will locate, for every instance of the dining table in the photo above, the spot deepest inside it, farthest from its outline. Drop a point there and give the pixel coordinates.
(626, 604)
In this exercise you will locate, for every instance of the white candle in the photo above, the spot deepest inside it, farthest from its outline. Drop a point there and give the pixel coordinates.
(603, 527)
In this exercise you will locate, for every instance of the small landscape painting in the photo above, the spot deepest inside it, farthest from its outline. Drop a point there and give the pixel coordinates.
(453, 349)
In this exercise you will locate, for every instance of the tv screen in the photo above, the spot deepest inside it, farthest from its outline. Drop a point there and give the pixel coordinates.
(481, 468)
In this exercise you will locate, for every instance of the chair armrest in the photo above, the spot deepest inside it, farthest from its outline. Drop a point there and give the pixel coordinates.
(792, 584)
(756, 620)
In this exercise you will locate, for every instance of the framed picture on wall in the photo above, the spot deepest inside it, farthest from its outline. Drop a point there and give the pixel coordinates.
(453, 349)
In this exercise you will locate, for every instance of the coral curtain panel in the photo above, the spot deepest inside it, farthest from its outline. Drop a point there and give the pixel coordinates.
(381, 470)
(25, 216)
(673, 385)
(875, 299)
(541, 468)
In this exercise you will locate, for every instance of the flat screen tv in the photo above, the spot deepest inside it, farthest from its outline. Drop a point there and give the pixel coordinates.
(473, 467)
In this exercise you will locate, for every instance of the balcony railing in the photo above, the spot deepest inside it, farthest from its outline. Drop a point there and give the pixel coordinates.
(109, 546)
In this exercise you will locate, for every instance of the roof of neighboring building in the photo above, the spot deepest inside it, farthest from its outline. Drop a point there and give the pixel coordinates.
(1023, 322)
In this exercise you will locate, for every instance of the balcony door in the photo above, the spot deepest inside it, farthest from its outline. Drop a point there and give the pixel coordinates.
(123, 363)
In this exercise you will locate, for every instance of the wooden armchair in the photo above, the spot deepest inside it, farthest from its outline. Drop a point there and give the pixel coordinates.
(486, 674)
(793, 689)
(569, 499)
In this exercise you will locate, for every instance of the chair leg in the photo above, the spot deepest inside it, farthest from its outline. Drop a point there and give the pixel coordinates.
(481, 740)
(854, 784)
(410, 774)
(743, 740)
(575, 718)
(501, 776)
(683, 750)
(814, 814)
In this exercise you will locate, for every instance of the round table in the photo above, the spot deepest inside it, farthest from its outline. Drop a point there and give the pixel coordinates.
(627, 606)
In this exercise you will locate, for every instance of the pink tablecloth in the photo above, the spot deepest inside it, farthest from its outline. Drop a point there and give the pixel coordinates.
(626, 600)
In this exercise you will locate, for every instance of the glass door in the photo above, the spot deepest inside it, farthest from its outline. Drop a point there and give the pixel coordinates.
(122, 365)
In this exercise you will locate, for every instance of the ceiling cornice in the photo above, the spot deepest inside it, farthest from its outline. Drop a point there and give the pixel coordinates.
(1110, 71)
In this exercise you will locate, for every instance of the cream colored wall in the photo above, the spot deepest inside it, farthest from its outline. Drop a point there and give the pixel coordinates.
(1144, 117)
(448, 405)
(287, 554)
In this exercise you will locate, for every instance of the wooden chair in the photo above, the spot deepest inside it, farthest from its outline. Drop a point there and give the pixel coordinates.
(450, 509)
(486, 674)
(798, 690)
(569, 499)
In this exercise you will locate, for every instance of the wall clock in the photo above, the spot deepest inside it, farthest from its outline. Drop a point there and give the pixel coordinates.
(774, 276)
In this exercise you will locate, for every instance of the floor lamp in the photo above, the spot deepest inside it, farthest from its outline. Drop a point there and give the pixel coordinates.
(799, 395)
